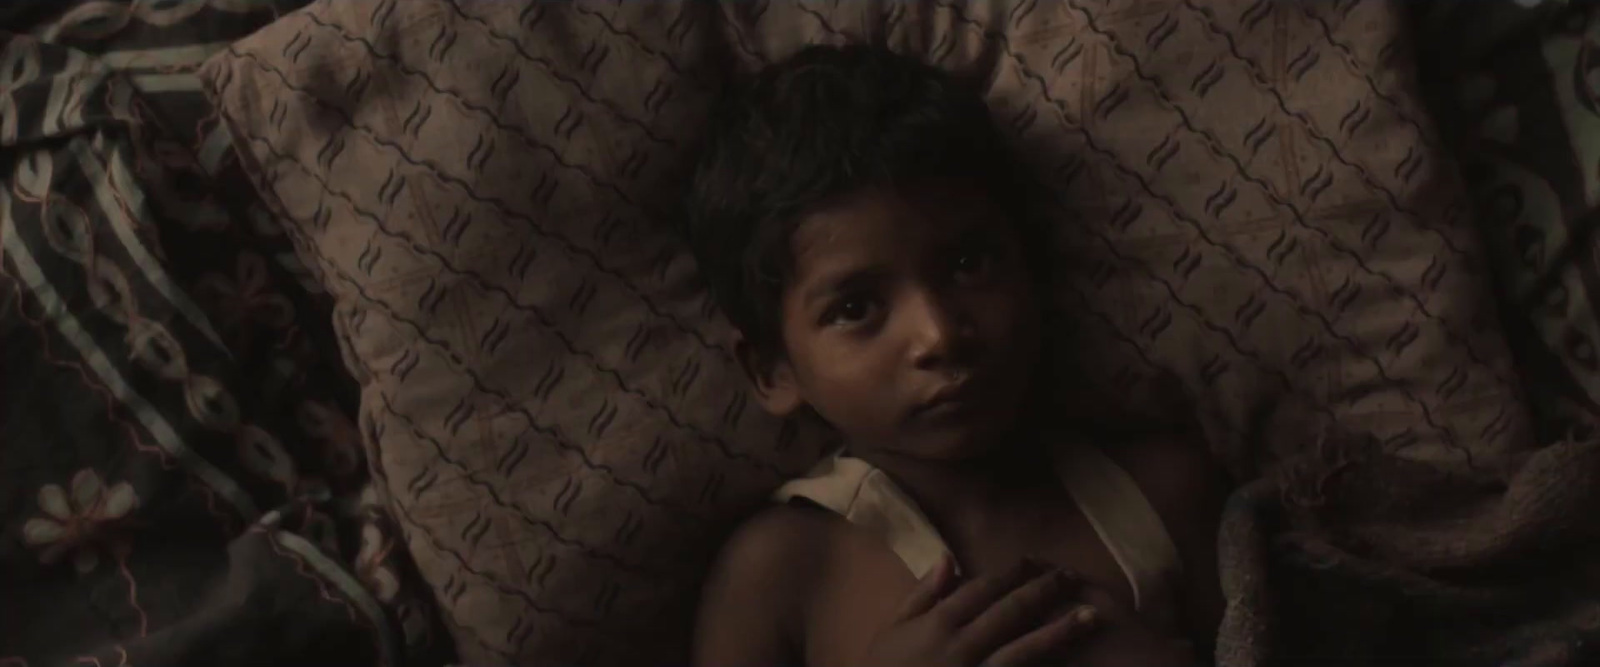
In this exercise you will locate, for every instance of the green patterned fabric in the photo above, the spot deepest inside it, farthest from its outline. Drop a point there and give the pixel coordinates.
(182, 480)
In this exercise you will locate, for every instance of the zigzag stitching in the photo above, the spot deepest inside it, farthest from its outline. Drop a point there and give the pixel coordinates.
(1175, 297)
(549, 68)
(639, 44)
(503, 588)
(478, 383)
(1003, 42)
(740, 39)
(587, 549)
(1298, 215)
(822, 20)
(544, 319)
(1356, 64)
(499, 205)
(1311, 130)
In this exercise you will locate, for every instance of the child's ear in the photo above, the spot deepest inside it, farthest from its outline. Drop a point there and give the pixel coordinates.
(773, 378)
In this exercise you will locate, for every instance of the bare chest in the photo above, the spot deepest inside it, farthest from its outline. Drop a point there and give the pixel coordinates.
(865, 581)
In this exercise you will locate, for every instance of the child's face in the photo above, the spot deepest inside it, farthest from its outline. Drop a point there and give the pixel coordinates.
(910, 323)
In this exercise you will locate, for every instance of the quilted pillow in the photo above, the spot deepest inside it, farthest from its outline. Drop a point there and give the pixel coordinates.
(1249, 192)
(559, 422)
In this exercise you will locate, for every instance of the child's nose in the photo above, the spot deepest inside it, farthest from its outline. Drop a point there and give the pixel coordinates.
(938, 329)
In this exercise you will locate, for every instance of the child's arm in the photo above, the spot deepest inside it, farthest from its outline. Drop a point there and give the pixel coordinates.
(749, 606)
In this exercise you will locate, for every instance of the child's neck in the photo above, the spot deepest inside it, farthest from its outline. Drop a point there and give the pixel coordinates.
(949, 489)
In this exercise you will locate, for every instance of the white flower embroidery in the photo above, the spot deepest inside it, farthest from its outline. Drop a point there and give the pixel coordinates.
(76, 522)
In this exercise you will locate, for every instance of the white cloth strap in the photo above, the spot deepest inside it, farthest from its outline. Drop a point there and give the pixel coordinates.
(1113, 504)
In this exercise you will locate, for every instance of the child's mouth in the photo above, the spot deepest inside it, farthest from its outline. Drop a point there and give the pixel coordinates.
(945, 410)
(954, 399)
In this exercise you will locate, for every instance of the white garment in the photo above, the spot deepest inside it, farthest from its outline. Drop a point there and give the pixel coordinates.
(1119, 512)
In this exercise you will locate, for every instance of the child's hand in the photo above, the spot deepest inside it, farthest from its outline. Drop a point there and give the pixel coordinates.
(1126, 640)
(995, 621)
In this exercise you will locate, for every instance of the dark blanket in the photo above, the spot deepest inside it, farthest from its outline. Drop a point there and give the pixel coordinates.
(1496, 565)
(1413, 565)
(181, 480)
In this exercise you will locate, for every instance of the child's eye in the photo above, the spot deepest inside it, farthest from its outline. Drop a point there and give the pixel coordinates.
(973, 263)
(848, 310)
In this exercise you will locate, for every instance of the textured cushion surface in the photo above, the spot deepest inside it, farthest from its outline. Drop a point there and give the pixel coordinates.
(1248, 198)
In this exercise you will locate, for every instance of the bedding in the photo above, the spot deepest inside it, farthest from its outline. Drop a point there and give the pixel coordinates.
(1250, 198)
(180, 477)
(1519, 98)
(556, 418)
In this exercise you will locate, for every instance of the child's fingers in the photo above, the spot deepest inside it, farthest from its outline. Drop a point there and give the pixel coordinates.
(974, 597)
(1018, 612)
(928, 590)
(1046, 641)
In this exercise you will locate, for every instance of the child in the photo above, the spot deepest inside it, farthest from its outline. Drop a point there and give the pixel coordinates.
(854, 215)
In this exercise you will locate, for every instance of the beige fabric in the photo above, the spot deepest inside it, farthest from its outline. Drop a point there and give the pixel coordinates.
(1130, 528)
(1119, 512)
(867, 497)
(1248, 197)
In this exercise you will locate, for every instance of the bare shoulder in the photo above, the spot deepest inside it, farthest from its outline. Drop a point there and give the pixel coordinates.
(783, 538)
(777, 550)
(754, 595)
(797, 583)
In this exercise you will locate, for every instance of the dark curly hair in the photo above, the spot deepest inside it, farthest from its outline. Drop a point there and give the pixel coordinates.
(827, 122)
